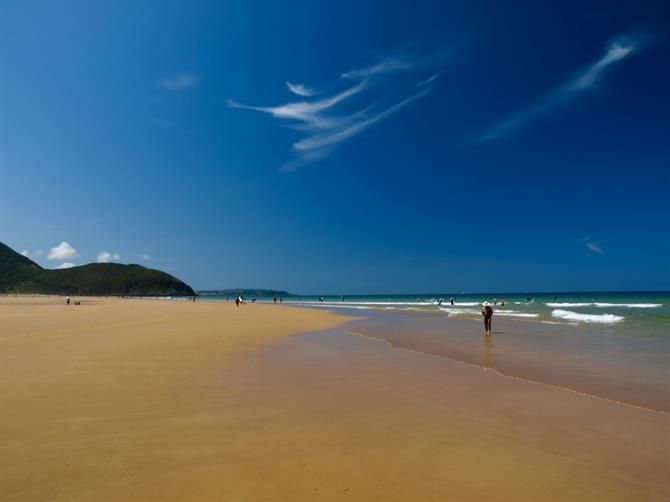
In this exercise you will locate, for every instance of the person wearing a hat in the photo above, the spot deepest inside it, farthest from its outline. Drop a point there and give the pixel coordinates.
(487, 313)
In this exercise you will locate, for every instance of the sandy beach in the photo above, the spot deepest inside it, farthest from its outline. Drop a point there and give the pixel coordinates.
(134, 400)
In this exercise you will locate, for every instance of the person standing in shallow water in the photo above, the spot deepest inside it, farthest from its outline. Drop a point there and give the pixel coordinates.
(487, 313)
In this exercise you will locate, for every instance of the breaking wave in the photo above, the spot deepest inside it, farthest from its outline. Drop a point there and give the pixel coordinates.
(575, 316)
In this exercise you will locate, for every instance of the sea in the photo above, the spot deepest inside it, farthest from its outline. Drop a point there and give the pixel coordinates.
(610, 345)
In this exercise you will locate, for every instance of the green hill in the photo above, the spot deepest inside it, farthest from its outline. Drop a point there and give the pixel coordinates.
(19, 274)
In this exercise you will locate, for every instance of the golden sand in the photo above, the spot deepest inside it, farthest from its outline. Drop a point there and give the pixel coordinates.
(129, 400)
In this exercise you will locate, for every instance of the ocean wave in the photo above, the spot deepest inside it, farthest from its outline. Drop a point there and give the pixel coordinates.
(576, 316)
(504, 313)
(512, 313)
(454, 311)
(605, 305)
(460, 304)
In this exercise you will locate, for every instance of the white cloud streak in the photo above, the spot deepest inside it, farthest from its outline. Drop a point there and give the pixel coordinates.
(146, 257)
(615, 51)
(180, 82)
(62, 252)
(326, 129)
(594, 247)
(304, 111)
(301, 90)
(25, 253)
(385, 66)
(329, 139)
(66, 264)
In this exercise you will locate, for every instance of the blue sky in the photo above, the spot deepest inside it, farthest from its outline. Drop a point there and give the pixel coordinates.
(339, 147)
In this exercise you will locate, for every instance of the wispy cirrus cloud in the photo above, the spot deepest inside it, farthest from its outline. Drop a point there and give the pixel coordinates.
(310, 113)
(387, 65)
(362, 97)
(180, 82)
(301, 90)
(615, 51)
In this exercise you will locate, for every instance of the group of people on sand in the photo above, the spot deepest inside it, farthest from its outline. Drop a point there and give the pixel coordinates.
(68, 300)
(239, 299)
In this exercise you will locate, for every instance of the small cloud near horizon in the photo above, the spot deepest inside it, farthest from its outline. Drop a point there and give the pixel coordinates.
(62, 252)
(592, 246)
(25, 253)
(615, 51)
(180, 82)
(146, 257)
(107, 257)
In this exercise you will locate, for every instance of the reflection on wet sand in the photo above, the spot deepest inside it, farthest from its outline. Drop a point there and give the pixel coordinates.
(580, 359)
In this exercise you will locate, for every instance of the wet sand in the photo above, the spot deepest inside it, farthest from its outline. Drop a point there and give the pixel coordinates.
(593, 360)
(146, 400)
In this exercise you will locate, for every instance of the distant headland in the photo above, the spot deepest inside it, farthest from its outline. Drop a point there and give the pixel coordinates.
(243, 292)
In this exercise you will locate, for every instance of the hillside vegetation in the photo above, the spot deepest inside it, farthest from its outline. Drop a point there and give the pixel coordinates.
(19, 274)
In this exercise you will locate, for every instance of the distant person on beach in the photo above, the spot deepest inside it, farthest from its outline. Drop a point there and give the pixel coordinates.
(452, 301)
(502, 302)
(274, 299)
(281, 299)
(67, 301)
(321, 298)
(237, 301)
(487, 313)
(495, 300)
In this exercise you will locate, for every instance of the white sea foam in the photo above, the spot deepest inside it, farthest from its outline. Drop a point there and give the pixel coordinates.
(512, 313)
(601, 304)
(338, 305)
(504, 313)
(553, 304)
(454, 311)
(575, 316)
(631, 305)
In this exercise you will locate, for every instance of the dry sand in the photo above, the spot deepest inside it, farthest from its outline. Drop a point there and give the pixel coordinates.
(129, 400)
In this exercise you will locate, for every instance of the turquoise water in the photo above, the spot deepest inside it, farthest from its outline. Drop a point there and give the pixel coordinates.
(643, 310)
